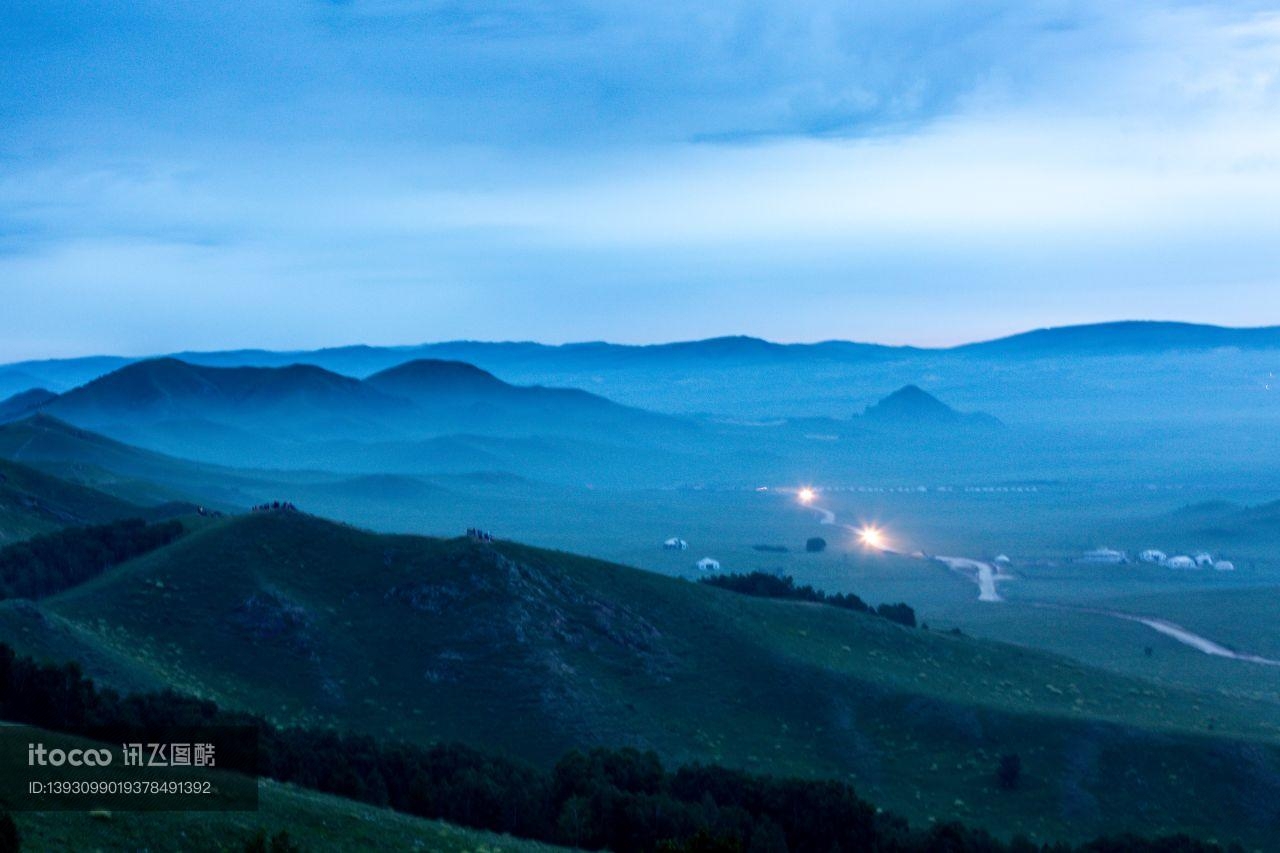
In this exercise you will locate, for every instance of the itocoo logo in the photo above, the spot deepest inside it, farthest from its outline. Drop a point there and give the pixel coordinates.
(38, 755)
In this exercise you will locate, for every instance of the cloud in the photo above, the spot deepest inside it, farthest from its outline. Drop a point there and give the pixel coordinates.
(593, 72)
(395, 160)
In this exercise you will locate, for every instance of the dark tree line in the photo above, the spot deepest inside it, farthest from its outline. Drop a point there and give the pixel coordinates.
(623, 800)
(765, 585)
(50, 563)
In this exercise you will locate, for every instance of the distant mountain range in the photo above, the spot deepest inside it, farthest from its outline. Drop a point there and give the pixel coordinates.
(526, 358)
(1133, 336)
(169, 388)
(426, 391)
(306, 416)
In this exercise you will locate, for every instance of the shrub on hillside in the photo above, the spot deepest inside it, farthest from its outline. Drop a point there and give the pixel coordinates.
(48, 564)
(765, 585)
(900, 613)
(10, 838)
(260, 842)
(1009, 772)
(623, 800)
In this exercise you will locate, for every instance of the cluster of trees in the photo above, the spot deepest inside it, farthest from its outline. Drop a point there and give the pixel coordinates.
(765, 585)
(1009, 771)
(48, 564)
(260, 842)
(623, 800)
(10, 838)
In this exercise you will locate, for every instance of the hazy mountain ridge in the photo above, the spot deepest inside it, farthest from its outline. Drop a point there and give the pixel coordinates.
(458, 396)
(423, 416)
(168, 387)
(1126, 337)
(911, 405)
(24, 403)
(1123, 337)
(172, 389)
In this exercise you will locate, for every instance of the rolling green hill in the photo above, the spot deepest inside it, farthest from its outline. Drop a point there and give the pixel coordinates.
(317, 822)
(314, 821)
(533, 652)
(132, 473)
(144, 476)
(33, 502)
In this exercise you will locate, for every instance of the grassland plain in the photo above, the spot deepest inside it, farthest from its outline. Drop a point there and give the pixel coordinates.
(1045, 525)
(403, 637)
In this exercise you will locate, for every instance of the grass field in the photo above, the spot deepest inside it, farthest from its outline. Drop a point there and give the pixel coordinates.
(315, 623)
(317, 822)
(33, 502)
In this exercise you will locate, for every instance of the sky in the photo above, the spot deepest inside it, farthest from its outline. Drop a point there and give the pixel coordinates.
(298, 174)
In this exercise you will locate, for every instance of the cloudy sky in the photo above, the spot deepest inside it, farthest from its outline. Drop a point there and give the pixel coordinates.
(285, 174)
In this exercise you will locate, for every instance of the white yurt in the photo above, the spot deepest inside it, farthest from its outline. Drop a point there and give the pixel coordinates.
(1204, 559)
(1151, 555)
(709, 565)
(675, 543)
(1182, 561)
(1225, 566)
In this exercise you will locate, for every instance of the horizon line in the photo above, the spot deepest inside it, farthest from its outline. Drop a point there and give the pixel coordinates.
(652, 344)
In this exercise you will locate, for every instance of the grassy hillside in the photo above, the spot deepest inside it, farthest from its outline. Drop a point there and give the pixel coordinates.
(132, 473)
(33, 502)
(534, 652)
(144, 476)
(317, 822)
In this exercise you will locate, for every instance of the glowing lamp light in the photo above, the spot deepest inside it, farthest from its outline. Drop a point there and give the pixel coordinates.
(872, 537)
(806, 495)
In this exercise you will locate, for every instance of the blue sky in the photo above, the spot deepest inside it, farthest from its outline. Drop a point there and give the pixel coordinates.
(286, 174)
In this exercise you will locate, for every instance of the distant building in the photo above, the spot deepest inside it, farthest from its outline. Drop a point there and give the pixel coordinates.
(675, 543)
(1225, 566)
(1002, 559)
(1204, 559)
(1182, 561)
(1151, 555)
(1104, 555)
(707, 564)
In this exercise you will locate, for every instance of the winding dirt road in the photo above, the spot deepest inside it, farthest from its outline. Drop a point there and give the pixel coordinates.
(987, 575)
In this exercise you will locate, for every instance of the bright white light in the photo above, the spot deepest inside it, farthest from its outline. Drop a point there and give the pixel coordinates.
(806, 495)
(872, 537)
